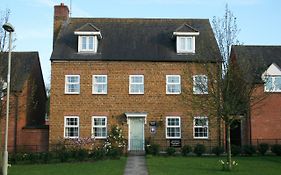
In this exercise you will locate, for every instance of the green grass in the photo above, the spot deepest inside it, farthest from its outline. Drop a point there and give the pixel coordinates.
(210, 165)
(104, 167)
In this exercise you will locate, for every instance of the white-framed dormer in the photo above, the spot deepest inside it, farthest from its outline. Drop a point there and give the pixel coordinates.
(272, 78)
(88, 38)
(185, 39)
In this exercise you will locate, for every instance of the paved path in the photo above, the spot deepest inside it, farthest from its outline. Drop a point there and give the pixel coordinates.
(136, 165)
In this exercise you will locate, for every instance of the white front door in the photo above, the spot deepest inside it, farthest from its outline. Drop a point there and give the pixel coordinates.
(136, 134)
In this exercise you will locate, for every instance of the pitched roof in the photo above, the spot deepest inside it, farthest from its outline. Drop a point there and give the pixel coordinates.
(21, 67)
(136, 40)
(88, 27)
(186, 28)
(260, 57)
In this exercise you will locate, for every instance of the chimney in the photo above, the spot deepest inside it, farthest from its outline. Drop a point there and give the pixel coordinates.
(61, 14)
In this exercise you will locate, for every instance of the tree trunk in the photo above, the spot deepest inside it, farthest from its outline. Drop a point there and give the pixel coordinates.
(229, 165)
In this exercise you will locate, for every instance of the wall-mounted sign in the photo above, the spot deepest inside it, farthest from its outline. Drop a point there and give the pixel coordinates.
(152, 123)
(175, 143)
(153, 129)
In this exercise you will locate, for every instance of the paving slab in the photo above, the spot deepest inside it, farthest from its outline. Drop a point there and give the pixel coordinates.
(136, 165)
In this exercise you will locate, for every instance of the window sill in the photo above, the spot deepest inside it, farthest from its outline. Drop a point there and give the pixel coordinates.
(200, 138)
(173, 93)
(71, 137)
(67, 93)
(99, 138)
(201, 93)
(173, 138)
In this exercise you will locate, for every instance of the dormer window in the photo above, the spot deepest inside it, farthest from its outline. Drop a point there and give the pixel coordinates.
(185, 44)
(88, 38)
(87, 44)
(185, 37)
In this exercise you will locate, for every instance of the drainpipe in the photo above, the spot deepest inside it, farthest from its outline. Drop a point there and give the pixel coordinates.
(16, 122)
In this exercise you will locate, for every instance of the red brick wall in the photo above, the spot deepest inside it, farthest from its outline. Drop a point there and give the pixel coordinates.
(155, 102)
(18, 137)
(266, 115)
(17, 108)
(34, 139)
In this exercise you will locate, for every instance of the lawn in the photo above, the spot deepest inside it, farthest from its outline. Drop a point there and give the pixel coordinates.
(210, 165)
(105, 167)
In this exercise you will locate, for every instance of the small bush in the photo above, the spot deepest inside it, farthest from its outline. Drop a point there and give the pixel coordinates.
(98, 154)
(262, 148)
(155, 149)
(218, 150)
(276, 149)
(235, 150)
(114, 153)
(63, 155)
(13, 158)
(45, 157)
(186, 149)
(81, 154)
(249, 150)
(33, 157)
(199, 149)
(170, 151)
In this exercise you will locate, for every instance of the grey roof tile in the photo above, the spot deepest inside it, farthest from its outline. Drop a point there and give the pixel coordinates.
(136, 40)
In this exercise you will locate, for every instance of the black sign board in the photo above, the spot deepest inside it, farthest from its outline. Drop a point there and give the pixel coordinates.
(175, 143)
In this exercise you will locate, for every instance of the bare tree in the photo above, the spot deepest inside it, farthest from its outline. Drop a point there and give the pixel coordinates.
(226, 33)
(233, 91)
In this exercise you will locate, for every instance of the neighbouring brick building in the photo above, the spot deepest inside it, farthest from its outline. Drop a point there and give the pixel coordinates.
(140, 74)
(264, 121)
(27, 130)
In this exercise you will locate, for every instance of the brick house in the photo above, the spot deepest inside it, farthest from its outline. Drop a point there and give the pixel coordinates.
(264, 121)
(139, 74)
(27, 130)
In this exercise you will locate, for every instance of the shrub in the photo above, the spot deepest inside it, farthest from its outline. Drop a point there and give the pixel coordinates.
(45, 157)
(249, 150)
(63, 155)
(114, 153)
(13, 158)
(33, 157)
(235, 150)
(81, 154)
(186, 149)
(199, 149)
(170, 151)
(276, 149)
(98, 154)
(262, 148)
(155, 149)
(218, 150)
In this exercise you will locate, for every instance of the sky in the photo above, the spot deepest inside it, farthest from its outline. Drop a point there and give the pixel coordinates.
(259, 21)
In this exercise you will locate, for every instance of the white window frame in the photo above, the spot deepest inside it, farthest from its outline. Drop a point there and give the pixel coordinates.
(95, 43)
(99, 126)
(66, 88)
(205, 126)
(99, 83)
(195, 85)
(169, 83)
(71, 126)
(185, 50)
(166, 129)
(130, 84)
(274, 88)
